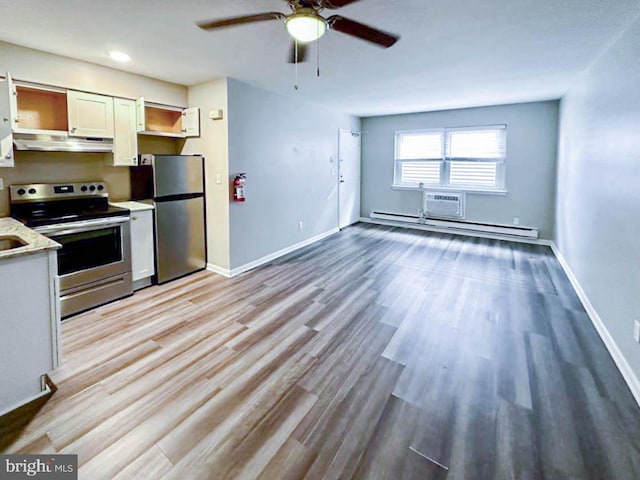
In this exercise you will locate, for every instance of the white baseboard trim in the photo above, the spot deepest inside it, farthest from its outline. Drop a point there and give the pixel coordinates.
(225, 272)
(625, 369)
(453, 231)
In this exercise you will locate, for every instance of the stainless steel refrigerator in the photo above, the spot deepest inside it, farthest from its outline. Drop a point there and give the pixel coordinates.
(175, 184)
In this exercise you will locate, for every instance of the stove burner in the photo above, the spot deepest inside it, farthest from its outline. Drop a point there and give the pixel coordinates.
(52, 204)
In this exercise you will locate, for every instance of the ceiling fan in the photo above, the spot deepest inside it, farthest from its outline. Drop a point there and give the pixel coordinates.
(305, 24)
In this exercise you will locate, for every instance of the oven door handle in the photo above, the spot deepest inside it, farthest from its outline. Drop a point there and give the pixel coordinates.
(75, 227)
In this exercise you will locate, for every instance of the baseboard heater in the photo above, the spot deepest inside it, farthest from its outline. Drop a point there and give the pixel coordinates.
(458, 224)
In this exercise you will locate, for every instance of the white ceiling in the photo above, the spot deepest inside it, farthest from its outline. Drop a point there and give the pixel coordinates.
(453, 53)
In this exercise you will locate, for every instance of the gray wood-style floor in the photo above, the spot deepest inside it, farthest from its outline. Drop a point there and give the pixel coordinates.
(378, 353)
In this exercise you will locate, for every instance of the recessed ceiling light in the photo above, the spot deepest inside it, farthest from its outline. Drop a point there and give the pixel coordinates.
(119, 56)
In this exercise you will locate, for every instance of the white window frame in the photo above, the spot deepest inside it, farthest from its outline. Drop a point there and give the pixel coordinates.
(445, 164)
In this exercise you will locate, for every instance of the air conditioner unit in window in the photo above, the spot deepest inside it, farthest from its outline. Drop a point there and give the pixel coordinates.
(443, 205)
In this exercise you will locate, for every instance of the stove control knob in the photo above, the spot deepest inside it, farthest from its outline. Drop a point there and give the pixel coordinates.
(100, 187)
(84, 188)
(92, 188)
(32, 191)
(22, 191)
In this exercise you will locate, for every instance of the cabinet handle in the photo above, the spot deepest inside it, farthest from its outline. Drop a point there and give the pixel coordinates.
(73, 129)
(134, 218)
(5, 119)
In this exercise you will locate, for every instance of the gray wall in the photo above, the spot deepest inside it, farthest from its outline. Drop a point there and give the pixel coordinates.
(598, 203)
(532, 130)
(287, 148)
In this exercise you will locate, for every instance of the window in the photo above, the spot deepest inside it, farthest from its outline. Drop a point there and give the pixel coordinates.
(471, 158)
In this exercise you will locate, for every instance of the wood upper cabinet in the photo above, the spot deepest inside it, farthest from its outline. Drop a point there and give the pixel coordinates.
(162, 120)
(7, 98)
(125, 140)
(90, 115)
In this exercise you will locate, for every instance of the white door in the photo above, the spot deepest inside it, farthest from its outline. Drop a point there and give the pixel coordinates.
(349, 177)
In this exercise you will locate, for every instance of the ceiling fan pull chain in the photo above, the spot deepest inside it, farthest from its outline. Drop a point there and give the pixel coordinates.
(318, 59)
(296, 63)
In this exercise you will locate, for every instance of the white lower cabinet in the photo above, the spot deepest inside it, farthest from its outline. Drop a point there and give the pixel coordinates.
(142, 244)
(28, 326)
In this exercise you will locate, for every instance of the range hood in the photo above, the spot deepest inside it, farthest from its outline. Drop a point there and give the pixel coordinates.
(61, 143)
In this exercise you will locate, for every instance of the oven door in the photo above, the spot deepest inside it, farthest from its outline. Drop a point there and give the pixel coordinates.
(91, 250)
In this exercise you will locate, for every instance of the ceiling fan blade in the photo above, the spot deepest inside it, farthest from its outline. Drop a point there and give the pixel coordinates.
(302, 52)
(232, 21)
(362, 31)
(333, 4)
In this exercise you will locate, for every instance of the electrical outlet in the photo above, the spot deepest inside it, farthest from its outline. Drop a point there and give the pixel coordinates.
(300, 225)
(516, 220)
(636, 331)
(218, 179)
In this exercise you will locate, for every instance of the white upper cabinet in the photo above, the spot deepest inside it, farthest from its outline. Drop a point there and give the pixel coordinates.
(191, 122)
(162, 120)
(7, 98)
(39, 109)
(125, 140)
(90, 115)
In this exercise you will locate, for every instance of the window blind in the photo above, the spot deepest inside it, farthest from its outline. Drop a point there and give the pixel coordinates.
(473, 174)
(420, 172)
(426, 145)
(467, 157)
(482, 144)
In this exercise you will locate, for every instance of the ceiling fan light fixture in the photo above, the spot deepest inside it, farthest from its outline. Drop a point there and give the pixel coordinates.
(306, 26)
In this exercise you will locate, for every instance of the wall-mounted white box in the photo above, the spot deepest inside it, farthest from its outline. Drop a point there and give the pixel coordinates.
(216, 114)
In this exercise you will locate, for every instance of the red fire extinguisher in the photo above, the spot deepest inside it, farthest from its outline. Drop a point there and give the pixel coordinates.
(238, 187)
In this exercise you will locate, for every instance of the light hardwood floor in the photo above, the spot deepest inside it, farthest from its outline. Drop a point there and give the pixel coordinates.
(378, 353)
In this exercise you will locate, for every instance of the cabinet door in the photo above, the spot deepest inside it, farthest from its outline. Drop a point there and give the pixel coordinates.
(141, 122)
(26, 327)
(90, 115)
(6, 117)
(191, 122)
(125, 140)
(142, 265)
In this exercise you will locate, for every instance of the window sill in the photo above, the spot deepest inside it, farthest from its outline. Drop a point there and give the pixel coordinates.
(435, 188)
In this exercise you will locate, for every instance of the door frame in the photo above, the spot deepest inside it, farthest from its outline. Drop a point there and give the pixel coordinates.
(339, 170)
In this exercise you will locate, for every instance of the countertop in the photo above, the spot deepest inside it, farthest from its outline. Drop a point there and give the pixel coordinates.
(34, 241)
(133, 206)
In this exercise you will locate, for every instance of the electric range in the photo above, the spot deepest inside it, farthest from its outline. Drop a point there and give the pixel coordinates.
(94, 263)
